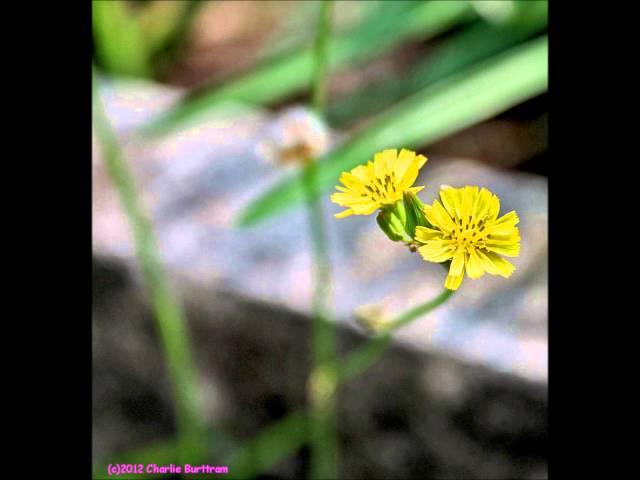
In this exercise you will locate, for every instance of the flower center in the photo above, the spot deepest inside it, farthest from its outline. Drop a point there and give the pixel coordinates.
(468, 234)
(382, 190)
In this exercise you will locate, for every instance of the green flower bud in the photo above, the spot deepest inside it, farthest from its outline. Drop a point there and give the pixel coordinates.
(414, 209)
(392, 220)
(384, 222)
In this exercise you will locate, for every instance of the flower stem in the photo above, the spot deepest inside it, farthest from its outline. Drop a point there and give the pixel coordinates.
(323, 32)
(363, 358)
(169, 316)
(322, 381)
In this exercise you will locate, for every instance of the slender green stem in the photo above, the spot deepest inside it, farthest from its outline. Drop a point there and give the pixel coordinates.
(320, 57)
(170, 319)
(322, 381)
(318, 231)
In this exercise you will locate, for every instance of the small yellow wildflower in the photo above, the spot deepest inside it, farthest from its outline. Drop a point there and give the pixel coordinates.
(467, 230)
(379, 183)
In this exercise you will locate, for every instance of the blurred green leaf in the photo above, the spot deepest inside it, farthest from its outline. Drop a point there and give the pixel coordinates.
(461, 100)
(119, 42)
(283, 76)
(474, 43)
(166, 452)
(160, 21)
(272, 445)
(166, 26)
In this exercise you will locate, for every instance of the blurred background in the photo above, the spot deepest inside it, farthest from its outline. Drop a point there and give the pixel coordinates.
(203, 97)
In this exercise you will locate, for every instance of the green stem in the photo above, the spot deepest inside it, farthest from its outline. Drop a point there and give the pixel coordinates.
(170, 320)
(363, 358)
(322, 381)
(319, 97)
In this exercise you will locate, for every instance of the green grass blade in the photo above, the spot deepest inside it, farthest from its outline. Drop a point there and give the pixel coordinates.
(272, 445)
(457, 102)
(288, 74)
(160, 22)
(119, 42)
(170, 319)
(474, 43)
(165, 452)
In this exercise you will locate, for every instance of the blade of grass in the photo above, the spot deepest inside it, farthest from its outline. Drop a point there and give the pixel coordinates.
(119, 42)
(161, 21)
(170, 320)
(474, 43)
(275, 443)
(461, 100)
(166, 26)
(164, 452)
(283, 76)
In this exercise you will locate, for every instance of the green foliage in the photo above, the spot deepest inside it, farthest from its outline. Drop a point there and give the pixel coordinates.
(475, 42)
(470, 96)
(120, 44)
(273, 444)
(170, 320)
(288, 74)
(141, 41)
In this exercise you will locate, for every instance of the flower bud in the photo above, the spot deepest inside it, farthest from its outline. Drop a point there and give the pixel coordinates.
(392, 221)
(414, 209)
(371, 317)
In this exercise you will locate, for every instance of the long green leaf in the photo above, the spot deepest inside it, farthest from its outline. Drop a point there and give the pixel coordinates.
(166, 452)
(288, 74)
(457, 102)
(160, 22)
(168, 312)
(272, 445)
(474, 43)
(120, 44)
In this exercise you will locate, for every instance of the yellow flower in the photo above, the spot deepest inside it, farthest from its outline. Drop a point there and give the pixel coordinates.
(467, 230)
(378, 183)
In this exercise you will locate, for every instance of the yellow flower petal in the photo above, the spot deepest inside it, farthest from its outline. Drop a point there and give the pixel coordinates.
(457, 265)
(449, 197)
(453, 282)
(405, 160)
(505, 267)
(439, 217)
(474, 265)
(511, 250)
(343, 214)
(436, 251)
(424, 234)
(487, 263)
